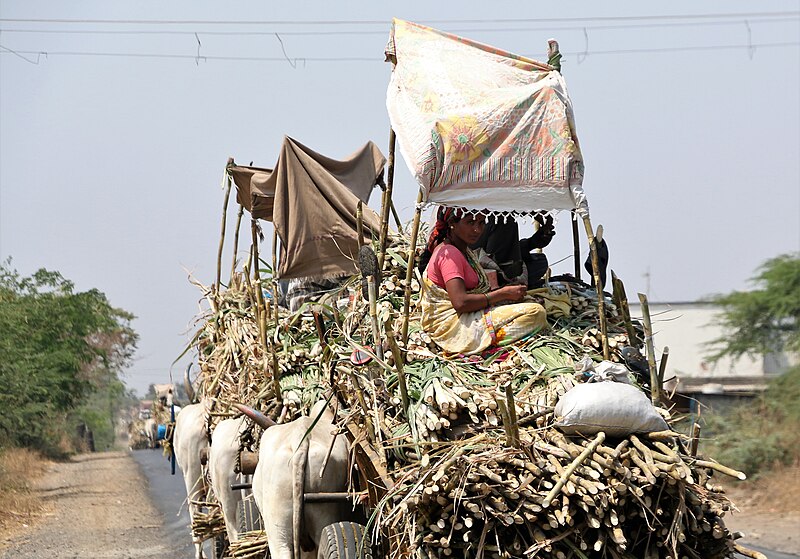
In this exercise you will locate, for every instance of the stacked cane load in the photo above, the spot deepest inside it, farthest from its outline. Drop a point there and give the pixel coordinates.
(476, 466)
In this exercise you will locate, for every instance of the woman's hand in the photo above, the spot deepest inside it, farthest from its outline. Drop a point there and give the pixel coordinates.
(512, 293)
(467, 302)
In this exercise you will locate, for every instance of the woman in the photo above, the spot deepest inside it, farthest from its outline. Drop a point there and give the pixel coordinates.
(459, 311)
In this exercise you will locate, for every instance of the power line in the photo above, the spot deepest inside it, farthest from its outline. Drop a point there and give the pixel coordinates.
(305, 59)
(383, 32)
(741, 15)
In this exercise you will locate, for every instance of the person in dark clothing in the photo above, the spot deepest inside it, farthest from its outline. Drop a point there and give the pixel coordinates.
(602, 258)
(500, 240)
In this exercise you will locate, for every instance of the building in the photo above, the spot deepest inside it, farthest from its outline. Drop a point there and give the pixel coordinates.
(687, 328)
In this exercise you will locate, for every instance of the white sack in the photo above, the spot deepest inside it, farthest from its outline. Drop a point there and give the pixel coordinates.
(612, 407)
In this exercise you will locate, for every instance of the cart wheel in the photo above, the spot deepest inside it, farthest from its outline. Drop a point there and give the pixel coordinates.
(219, 546)
(249, 515)
(344, 540)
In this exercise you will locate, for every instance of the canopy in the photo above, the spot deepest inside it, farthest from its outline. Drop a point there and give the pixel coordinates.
(312, 201)
(482, 128)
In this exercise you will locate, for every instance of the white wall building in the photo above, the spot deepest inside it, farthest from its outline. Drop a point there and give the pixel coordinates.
(687, 328)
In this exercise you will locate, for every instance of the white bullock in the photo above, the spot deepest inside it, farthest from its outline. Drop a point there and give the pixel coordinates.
(289, 466)
(189, 439)
(222, 458)
(151, 432)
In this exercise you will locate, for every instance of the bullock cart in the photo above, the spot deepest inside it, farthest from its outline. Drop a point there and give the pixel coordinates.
(457, 455)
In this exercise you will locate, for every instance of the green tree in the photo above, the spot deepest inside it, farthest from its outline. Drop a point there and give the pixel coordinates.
(765, 319)
(59, 348)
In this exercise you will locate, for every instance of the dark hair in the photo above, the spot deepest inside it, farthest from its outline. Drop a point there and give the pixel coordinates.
(445, 217)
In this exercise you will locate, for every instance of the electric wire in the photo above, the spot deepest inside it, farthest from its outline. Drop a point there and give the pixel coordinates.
(305, 59)
(383, 32)
(749, 15)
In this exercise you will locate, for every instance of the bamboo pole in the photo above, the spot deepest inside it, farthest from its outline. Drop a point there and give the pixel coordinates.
(601, 300)
(399, 365)
(396, 216)
(502, 410)
(695, 441)
(373, 317)
(622, 303)
(236, 239)
(511, 408)
(360, 223)
(387, 198)
(655, 389)
(275, 272)
(276, 385)
(576, 246)
(412, 253)
(662, 368)
(256, 274)
(223, 226)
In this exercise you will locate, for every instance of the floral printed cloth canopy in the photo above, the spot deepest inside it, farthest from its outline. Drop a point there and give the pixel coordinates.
(481, 128)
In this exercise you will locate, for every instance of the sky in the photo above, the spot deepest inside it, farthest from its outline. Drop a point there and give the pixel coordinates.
(117, 119)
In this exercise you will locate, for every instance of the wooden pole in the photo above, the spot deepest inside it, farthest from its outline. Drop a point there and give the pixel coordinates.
(396, 216)
(412, 254)
(655, 389)
(275, 272)
(387, 198)
(236, 239)
(662, 368)
(399, 365)
(695, 441)
(511, 408)
(576, 246)
(621, 300)
(360, 223)
(601, 299)
(276, 385)
(257, 278)
(222, 232)
(373, 316)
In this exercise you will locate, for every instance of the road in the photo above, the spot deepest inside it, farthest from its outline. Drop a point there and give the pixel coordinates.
(168, 495)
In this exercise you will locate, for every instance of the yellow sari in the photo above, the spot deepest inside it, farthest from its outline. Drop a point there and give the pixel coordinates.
(473, 332)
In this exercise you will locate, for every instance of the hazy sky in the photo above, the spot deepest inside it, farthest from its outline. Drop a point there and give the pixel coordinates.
(115, 127)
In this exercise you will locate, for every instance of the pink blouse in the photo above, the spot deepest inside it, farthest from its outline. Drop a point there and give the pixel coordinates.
(447, 262)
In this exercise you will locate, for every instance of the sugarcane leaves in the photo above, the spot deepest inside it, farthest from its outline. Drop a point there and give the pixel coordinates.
(397, 258)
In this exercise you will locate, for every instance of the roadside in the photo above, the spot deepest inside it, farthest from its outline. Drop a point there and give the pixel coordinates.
(769, 510)
(94, 506)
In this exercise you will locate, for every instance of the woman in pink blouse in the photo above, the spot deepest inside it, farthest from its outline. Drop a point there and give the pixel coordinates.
(459, 310)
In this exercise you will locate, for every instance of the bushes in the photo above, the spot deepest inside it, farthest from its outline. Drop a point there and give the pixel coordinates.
(60, 349)
(18, 467)
(753, 437)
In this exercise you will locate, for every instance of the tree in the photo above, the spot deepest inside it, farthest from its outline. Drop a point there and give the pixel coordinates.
(765, 319)
(58, 348)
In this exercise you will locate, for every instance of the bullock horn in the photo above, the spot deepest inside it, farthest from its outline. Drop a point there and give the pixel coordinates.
(187, 384)
(258, 418)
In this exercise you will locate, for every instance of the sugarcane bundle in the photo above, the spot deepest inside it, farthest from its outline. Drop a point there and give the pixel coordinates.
(553, 497)
(137, 437)
(250, 545)
(229, 351)
(207, 521)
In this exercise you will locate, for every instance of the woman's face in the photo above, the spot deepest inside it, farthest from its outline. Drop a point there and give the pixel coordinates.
(469, 228)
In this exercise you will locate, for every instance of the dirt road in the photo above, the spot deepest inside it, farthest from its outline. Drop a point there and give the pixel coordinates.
(115, 505)
(99, 507)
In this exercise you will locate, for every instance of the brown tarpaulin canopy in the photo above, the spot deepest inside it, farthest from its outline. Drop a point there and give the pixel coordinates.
(312, 201)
